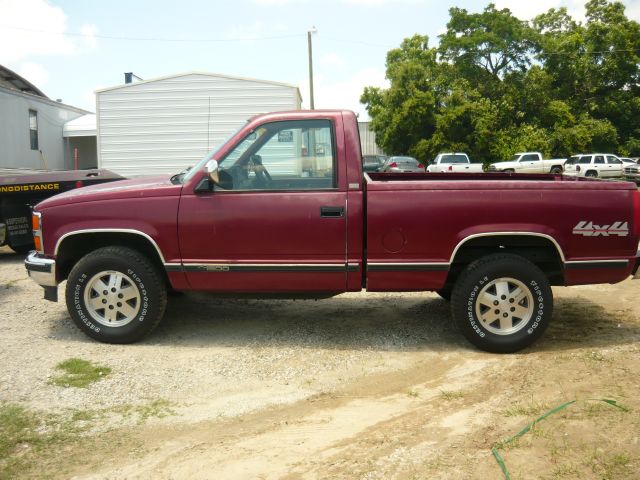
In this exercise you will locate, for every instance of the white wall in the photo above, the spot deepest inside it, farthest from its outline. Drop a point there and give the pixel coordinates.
(15, 146)
(368, 140)
(165, 125)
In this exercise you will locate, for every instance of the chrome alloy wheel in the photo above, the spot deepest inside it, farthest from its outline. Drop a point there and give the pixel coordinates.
(112, 298)
(504, 306)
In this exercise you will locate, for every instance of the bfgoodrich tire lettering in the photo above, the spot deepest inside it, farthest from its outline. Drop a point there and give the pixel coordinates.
(502, 303)
(115, 295)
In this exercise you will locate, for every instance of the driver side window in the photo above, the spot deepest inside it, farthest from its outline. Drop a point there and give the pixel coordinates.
(291, 155)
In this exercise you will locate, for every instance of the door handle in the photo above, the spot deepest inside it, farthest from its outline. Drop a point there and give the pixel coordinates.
(332, 212)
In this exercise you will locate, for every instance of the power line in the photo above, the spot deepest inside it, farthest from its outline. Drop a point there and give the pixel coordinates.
(154, 39)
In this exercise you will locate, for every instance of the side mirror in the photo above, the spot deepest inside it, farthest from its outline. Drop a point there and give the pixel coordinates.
(212, 168)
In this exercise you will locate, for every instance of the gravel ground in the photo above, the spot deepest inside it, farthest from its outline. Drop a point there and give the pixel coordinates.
(371, 386)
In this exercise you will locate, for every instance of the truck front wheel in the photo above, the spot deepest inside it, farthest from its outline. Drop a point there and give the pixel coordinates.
(115, 295)
(502, 303)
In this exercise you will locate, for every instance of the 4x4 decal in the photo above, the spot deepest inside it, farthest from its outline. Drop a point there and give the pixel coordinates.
(589, 229)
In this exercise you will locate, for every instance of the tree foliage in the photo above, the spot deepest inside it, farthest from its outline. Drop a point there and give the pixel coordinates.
(496, 84)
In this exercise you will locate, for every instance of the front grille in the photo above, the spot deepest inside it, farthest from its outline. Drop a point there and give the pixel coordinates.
(631, 170)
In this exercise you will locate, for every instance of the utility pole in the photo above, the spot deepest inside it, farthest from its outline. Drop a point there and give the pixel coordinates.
(309, 33)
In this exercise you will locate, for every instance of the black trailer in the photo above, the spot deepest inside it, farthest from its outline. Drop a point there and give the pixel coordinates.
(19, 192)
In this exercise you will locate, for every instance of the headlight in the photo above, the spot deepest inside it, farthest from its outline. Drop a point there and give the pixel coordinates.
(36, 224)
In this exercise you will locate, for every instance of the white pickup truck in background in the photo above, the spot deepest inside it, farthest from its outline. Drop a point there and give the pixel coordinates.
(529, 162)
(454, 163)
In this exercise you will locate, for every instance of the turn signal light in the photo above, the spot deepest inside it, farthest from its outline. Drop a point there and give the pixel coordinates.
(38, 243)
(35, 222)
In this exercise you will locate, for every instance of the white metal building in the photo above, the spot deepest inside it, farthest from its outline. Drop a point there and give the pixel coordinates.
(368, 140)
(31, 126)
(166, 124)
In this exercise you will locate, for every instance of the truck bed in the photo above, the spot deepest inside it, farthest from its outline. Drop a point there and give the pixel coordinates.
(417, 222)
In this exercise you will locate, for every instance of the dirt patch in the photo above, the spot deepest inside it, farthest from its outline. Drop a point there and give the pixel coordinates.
(371, 386)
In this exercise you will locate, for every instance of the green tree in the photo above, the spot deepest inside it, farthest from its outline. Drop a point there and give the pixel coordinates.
(496, 85)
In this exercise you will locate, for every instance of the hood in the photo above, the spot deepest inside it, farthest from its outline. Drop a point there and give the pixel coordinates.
(142, 187)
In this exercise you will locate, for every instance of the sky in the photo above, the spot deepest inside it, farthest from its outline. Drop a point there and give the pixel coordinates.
(69, 49)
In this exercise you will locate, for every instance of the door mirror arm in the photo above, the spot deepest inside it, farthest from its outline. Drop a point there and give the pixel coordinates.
(212, 168)
(205, 185)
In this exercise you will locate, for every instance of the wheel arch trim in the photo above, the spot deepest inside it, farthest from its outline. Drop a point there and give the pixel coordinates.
(110, 230)
(508, 233)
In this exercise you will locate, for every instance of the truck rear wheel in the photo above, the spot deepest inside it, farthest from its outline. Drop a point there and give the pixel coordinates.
(502, 303)
(556, 170)
(116, 295)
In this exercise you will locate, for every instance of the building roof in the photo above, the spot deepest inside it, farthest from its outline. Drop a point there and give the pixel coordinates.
(11, 80)
(84, 126)
(207, 74)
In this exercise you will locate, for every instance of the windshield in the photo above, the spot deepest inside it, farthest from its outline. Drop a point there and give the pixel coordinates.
(187, 175)
(515, 158)
(454, 159)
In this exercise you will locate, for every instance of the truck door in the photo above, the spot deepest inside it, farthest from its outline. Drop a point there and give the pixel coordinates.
(531, 163)
(601, 166)
(277, 220)
(614, 166)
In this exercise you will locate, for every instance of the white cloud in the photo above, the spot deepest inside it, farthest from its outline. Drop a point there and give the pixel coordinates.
(373, 3)
(343, 94)
(27, 20)
(528, 10)
(332, 60)
(35, 27)
(34, 72)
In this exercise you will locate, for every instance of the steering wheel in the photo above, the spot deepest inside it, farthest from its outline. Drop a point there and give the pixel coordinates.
(263, 177)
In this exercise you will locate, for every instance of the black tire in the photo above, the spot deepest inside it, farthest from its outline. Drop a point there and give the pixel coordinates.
(556, 170)
(22, 249)
(591, 174)
(445, 293)
(509, 170)
(132, 318)
(499, 273)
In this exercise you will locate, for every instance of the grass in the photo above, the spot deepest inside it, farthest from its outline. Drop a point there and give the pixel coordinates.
(530, 410)
(451, 395)
(79, 373)
(31, 440)
(26, 435)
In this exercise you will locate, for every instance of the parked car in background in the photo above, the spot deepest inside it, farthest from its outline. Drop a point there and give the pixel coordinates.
(529, 162)
(627, 161)
(631, 172)
(400, 164)
(453, 162)
(372, 163)
(603, 165)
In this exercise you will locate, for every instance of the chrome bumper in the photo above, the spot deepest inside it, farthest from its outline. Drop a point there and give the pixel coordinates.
(41, 270)
(3, 233)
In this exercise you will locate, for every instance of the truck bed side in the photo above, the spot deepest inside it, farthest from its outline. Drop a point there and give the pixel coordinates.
(419, 230)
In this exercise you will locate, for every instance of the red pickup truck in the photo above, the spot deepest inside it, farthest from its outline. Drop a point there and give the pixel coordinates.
(283, 208)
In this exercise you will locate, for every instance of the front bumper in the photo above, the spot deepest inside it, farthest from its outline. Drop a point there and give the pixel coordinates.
(41, 270)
